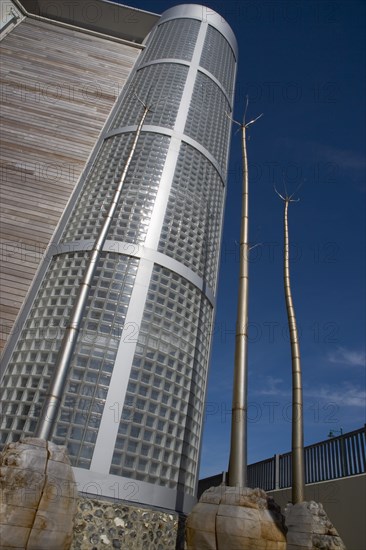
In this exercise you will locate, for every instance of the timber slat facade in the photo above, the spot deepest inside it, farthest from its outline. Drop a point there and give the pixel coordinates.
(57, 88)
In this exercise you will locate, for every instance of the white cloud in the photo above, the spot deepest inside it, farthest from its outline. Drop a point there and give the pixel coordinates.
(347, 357)
(348, 395)
(343, 157)
(272, 386)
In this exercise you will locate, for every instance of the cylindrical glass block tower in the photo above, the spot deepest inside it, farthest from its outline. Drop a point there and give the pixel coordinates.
(132, 412)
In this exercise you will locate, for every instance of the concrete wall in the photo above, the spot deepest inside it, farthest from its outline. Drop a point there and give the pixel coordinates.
(344, 500)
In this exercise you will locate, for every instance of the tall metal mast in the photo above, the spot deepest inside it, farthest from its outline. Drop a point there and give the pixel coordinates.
(238, 444)
(298, 471)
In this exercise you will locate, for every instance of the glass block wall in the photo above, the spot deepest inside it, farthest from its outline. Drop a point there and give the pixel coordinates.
(134, 399)
(27, 377)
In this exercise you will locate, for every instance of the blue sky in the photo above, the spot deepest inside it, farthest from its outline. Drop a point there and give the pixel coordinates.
(302, 63)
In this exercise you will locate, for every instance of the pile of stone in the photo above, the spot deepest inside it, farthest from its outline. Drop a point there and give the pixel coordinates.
(229, 518)
(241, 518)
(309, 527)
(38, 496)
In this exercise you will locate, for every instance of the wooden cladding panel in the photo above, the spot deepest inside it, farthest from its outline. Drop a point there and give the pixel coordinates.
(57, 89)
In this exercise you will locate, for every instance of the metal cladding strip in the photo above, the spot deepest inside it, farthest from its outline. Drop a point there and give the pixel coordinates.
(142, 252)
(162, 197)
(161, 203)
(181, 137)
(108, 429)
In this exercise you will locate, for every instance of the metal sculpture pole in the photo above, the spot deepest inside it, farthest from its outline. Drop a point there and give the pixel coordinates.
(61, 368)
(238, 444)
(298, 471)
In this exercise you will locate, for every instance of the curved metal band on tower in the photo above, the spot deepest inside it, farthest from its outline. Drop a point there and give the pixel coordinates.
(141, 252)
(202, 70)
(171, 133)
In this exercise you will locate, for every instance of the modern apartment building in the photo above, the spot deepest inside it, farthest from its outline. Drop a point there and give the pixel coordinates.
(132, 410)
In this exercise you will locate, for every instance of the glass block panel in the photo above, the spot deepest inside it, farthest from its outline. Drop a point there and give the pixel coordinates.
(192, 224)
(159, 85)
(218, 58)
(26, 381)
(173, 40)
(210, 131)
(138, 194)
(178, 353)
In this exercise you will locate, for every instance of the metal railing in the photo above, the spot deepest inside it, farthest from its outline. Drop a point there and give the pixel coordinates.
(263, 474)
(338, 457)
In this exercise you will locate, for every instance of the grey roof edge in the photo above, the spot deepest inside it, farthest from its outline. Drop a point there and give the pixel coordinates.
(120, 20)
(101, 16)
